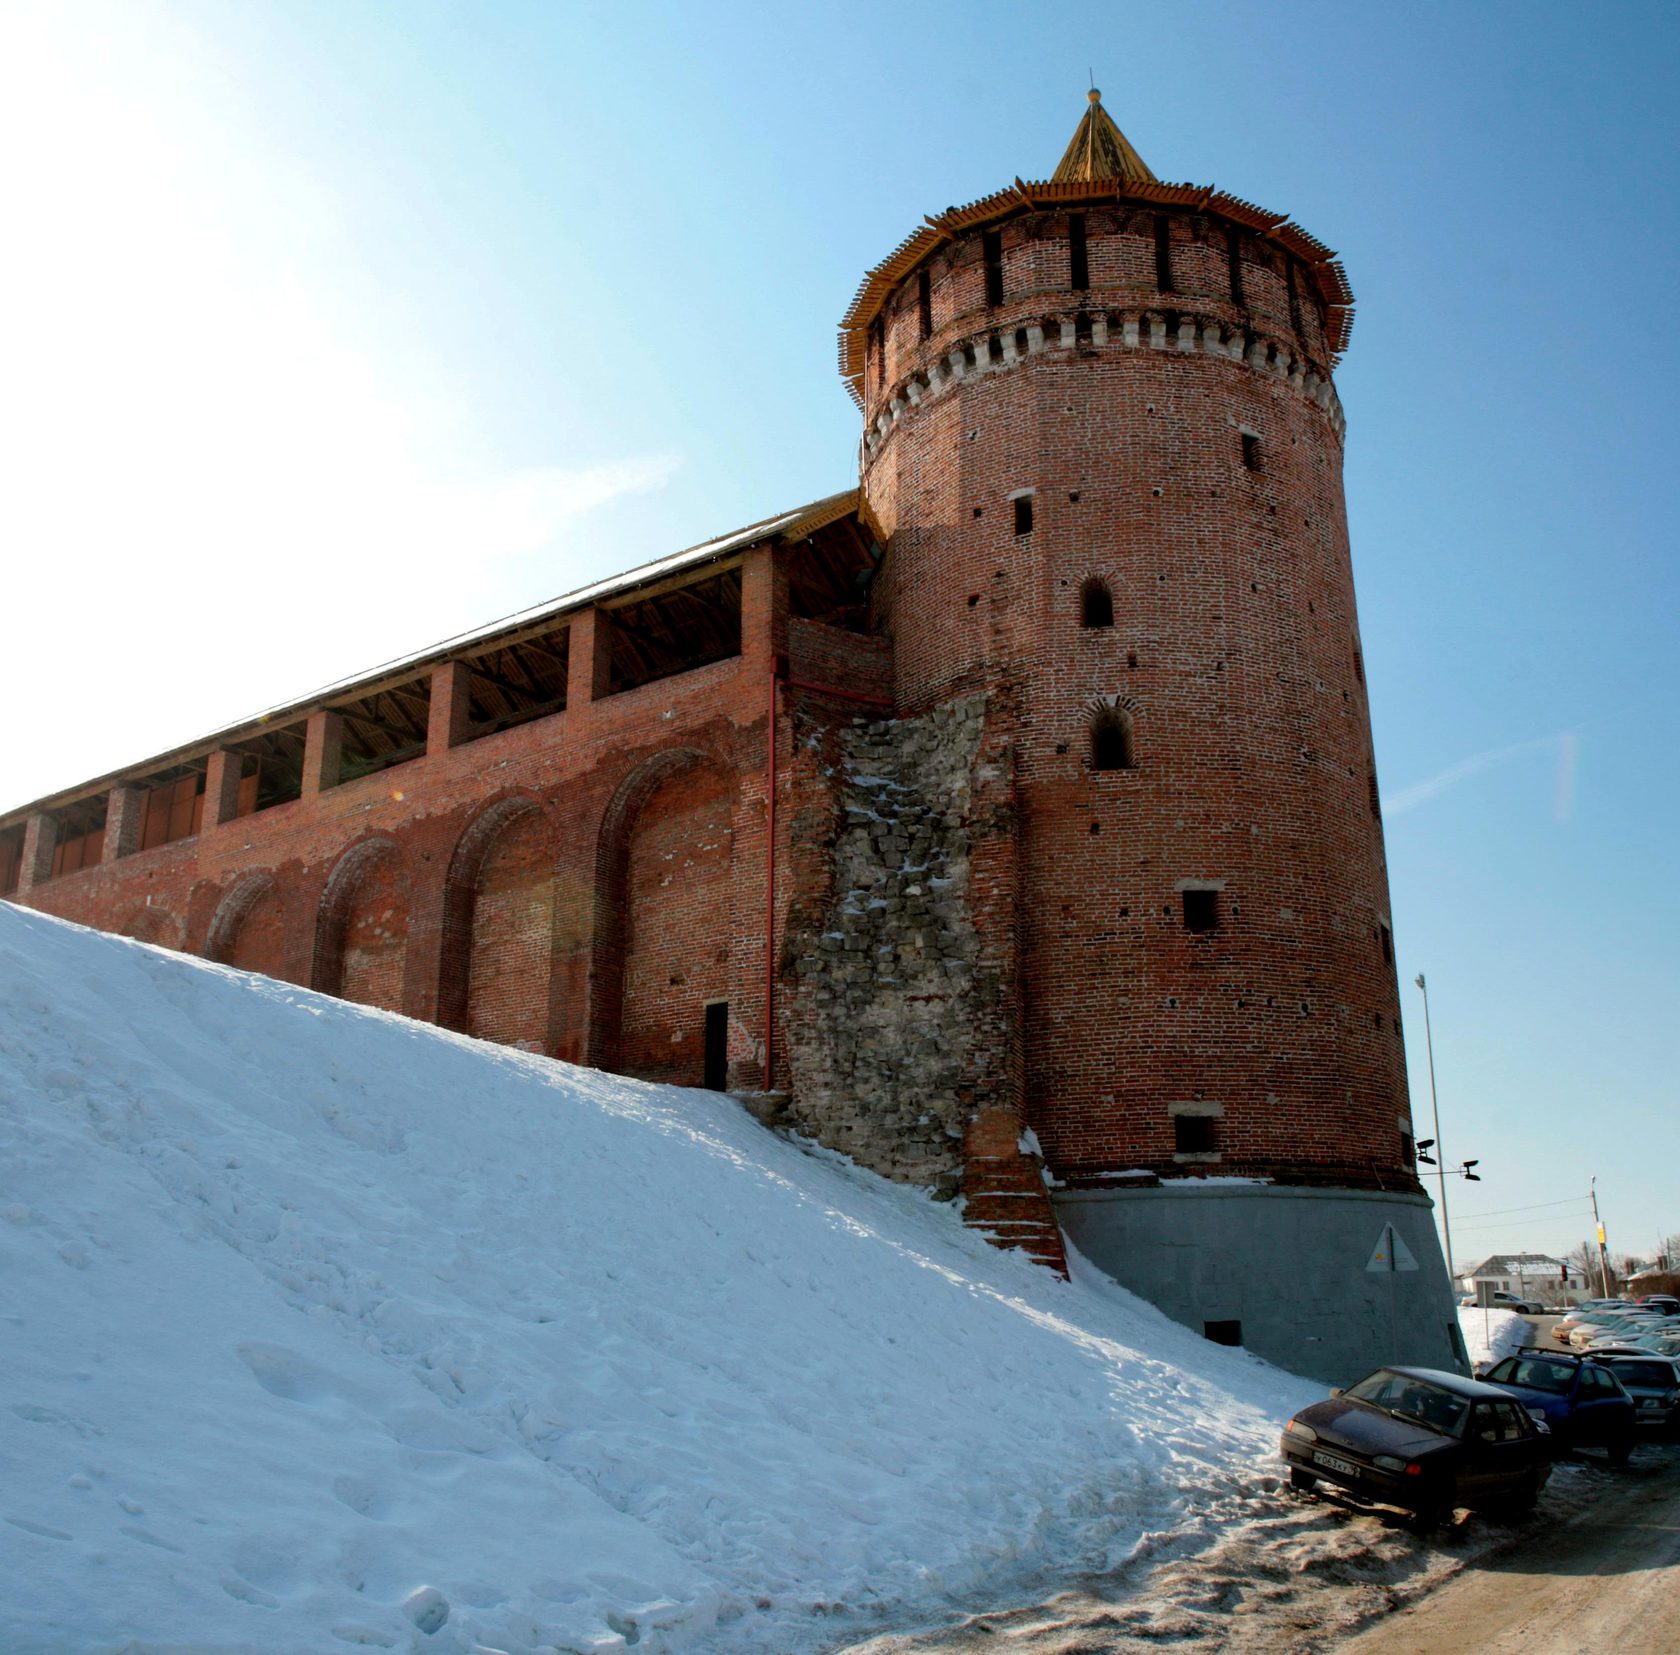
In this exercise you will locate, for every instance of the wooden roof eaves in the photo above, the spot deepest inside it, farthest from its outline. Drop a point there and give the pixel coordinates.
(866, 304)
(534, 622)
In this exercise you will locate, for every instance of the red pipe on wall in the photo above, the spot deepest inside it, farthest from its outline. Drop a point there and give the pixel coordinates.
(770, 849)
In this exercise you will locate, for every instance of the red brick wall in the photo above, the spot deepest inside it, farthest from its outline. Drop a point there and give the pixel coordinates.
(374, 937)
(156, 925)
(573, 766)
(678, 925)
(259, 941)
(512, 942)
(1233, 650)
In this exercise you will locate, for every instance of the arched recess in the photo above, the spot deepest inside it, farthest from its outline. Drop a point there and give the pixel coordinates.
(1111, 733)
(247, 930)
(1096, 603)
(498, 927)
(663, 925)
(154, 925)
(361, 931)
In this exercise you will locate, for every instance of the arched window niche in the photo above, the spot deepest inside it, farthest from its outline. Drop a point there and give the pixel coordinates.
(1096, 603)
(1111, 739)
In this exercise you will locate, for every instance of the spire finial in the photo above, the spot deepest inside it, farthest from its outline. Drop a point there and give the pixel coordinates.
(1099, 149)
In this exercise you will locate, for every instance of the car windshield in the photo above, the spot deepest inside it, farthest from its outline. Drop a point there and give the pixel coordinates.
(1644, 1373)
(1413, 1399)
(1554, 1377)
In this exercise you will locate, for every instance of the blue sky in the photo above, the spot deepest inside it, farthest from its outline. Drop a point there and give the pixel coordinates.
(333, 328)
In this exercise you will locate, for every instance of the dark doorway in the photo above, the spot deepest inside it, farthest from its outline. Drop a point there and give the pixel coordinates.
(717, 1046)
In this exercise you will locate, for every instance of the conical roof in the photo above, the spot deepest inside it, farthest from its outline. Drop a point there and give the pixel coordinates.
(1099, 150)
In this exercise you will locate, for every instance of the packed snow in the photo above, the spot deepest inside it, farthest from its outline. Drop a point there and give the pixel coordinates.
(1490, 1335)
(329, 1330)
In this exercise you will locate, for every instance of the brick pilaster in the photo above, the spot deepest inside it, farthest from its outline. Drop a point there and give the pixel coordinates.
(323, 746)
(221, 788)
(40, 839)
(589, 658)
(451, 707)
(125, 813)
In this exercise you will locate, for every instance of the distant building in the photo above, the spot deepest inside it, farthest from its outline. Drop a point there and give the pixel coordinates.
(1009, 822)
(1529, 1276)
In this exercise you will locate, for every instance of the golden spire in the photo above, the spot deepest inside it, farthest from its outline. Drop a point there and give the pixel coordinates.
(1099, 150)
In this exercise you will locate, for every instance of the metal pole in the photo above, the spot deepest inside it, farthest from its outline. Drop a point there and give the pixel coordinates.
(1440, 1148)
(1598, 1224)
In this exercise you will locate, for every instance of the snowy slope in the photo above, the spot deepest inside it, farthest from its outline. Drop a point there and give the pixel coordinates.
(304, 1308)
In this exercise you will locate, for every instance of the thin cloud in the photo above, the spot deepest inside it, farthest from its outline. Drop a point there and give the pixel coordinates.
(1567, 743)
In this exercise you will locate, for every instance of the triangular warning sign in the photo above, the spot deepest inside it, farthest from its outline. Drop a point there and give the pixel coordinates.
(1391, 1252)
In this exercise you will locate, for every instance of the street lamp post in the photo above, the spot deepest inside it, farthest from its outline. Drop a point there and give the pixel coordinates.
(1435, 1107)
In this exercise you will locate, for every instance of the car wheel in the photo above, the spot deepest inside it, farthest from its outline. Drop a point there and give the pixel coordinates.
(1437, 1512)
(1520, 1502)
(1303, 1480)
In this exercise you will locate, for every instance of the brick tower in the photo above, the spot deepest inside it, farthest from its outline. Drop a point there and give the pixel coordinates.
(1103, 453)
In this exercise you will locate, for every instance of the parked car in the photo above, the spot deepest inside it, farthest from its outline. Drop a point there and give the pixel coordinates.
(1506, 1301)
(1581, 1400)
(1652, 1381)
(1423, 1440)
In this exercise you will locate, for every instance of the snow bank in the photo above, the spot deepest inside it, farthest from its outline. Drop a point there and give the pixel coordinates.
(1492, 1334)
(328, 1330)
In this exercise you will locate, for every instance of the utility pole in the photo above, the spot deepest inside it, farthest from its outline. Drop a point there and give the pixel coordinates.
(1440, 1151)
(1603, 1255)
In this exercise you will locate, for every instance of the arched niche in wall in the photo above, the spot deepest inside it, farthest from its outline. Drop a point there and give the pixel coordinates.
(247, 930)
(361, 930)
(149, 923)
(498, 927)
(660, 976)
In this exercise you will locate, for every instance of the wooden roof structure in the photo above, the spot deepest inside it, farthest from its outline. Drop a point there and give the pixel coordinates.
(1099, 149)
(518, 663)
(1099, 166)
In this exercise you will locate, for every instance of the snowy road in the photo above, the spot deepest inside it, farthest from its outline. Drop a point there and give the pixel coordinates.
(1302, 1575)
(1608, 1579)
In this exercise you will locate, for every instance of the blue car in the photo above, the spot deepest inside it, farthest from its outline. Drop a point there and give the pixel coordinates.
(1581, 1401)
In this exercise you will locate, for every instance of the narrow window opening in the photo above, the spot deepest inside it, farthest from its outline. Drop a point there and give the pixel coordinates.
(1023, 514)
(924, 302)
(1295, 303)
(994, 349)
(1233, 256)
(1082, 327)
(717, 1046)
(1163, 254)
(1096, 604)
(1111, 740)
(1195, 1134)
(1250, 451)
(1385, 939)
(1201, 910)
(1223, 1333)
(991, 242)
(1079, 267)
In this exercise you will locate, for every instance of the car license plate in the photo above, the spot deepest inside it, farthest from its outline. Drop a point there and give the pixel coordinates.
(1331, 1463)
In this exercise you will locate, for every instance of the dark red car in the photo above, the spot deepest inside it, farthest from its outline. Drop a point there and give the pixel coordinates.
(1423, 1440)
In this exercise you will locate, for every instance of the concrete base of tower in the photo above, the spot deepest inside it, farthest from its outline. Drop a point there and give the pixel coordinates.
(1327, 1283)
